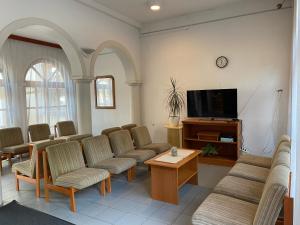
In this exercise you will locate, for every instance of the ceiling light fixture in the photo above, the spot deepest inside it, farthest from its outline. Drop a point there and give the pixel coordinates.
(154, 5)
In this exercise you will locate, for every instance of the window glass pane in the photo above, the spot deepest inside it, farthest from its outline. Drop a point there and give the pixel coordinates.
(32, 75)
(3, 119)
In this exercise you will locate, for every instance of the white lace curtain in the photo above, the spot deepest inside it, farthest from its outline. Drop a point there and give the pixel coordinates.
(36, 85)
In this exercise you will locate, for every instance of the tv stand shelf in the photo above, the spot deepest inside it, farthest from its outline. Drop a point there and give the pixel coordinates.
(228, 152)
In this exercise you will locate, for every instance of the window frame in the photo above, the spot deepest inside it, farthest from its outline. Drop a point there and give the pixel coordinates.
(113, 95)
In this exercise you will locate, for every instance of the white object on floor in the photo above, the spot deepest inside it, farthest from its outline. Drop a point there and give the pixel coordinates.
(181, 154)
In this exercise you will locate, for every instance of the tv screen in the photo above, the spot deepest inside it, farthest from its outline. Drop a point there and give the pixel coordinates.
(219, 103)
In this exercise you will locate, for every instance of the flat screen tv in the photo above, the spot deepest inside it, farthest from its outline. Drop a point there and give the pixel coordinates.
(219, 103)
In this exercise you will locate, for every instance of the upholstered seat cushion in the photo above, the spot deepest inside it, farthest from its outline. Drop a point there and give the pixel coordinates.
(139, 155)
(45, 143)
(81, 178)
(76, 137)
(16, 149)
(255, 160)
(240, 188)
(157, 147)
(224, 210)
(22, 167)
(116, 165)
(249, 172)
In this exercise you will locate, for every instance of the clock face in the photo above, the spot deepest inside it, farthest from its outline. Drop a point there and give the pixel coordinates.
(222, 62)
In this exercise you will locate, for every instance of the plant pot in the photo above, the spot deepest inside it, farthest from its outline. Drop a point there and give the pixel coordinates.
(174, 121)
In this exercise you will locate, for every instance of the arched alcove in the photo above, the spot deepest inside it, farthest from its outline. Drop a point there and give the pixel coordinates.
(62, 38)
(130, 71)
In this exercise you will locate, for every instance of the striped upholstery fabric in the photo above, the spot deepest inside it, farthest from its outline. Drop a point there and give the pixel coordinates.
(272, 198)
(65, 128)
(282, 158)
(139, 155)
(110, 130)
(121, 142)
(64, 158)
(116, 165)
(224, 210)
(141, 136)
(283, 147)
(97, 149)
(23, 168)
(16, 149)
(128, 126)
(240, 188)
(158, 147)
(76, 137)
(249, 172)
(10, 137)
(81, 178)
(39, 132)
(40, 145)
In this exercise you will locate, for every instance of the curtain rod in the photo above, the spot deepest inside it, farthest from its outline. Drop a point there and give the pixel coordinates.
(212, 21)
(34, 41)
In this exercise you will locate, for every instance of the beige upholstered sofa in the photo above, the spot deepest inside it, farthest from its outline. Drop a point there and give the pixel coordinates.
(122, 147)
(69, 173)
(142, 140)
(238, 200)
(12, 143)
(98, 154)
(66, 130)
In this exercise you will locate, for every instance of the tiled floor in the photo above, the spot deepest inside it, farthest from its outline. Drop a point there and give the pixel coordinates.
(128, 204)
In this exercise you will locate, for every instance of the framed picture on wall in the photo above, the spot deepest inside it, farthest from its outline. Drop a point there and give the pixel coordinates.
(105, 92)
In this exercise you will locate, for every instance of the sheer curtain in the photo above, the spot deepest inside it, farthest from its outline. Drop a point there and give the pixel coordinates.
(38, 85)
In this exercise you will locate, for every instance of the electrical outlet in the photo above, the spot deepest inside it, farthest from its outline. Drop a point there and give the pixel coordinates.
(244, 149)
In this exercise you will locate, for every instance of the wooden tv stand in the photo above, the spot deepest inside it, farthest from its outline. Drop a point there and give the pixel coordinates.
(228, 151)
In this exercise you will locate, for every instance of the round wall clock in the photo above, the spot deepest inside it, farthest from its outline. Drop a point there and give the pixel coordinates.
(222, 62)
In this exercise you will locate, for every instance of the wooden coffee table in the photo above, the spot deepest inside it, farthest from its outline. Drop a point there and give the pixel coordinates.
(167, 178)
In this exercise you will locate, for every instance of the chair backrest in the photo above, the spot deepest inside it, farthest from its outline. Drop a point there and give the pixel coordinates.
(121, 142)
(110, 130)
(10, 137)
(283, 147)
(38, 132)
(282, 158)
(64, 158)
(271, 202)
(141, 136)
(96, 149)
(128, 126)
(65, 128)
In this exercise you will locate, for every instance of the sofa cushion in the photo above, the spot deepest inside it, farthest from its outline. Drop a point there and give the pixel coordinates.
(16, 149)
(23, 168)
(157, 147)
(81, 178)
(240, 188)
(116, 165)
(282, 158)
(141, 136)
(96, 149)
(76, 137)
(139, 155)
(255, 160)
(65, 128)
(110, 130)
(121, 142)
(249, 172)
(224, 210)
(11, 136)
(39, 132)
(271, 201)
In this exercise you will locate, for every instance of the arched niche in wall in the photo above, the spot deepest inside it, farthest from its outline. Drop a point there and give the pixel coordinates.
(62, 38)
(120, 53)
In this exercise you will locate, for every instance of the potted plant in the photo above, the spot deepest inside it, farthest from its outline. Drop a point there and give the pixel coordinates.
(209, 150)
(175, 103)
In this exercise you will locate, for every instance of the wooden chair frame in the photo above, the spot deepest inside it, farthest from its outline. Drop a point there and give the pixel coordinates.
(38, 175)
(131, 174)
(105, 185)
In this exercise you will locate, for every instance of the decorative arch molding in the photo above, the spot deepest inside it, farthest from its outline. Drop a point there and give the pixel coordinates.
(125, 57)
(71, 50)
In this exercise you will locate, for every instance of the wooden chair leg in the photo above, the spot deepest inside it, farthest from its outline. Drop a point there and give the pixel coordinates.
(131, 174)
(17, 181)
(108, 184)
(102, 187)
(9, 159)
(72, 200)
(149, 169)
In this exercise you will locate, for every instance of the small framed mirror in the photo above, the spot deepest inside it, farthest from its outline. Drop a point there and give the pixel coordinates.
(105, 92)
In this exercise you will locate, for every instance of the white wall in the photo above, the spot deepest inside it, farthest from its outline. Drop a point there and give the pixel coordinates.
(258, 48)
(110, 64)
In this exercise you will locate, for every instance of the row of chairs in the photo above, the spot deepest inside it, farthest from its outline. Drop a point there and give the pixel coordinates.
(109, 153)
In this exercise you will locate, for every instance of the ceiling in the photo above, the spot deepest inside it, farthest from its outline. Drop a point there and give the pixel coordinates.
(138, 11)
(37, 32)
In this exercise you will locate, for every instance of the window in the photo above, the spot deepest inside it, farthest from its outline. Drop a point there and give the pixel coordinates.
(3, 102)
(105, 92)
(45, 94)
